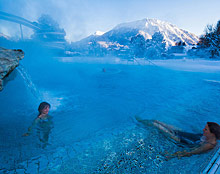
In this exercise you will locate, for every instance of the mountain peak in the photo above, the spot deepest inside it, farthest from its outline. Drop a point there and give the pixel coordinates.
(4, 36)
(141, 24)
(122, 34)
(147, 27)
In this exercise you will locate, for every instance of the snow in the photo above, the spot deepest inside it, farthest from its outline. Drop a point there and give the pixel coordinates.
(185, 64)
(104, 44)
(146, 35)
(147, 27)
(120, 38)
(4, 36)
(212, 81)
(192, 65)
(98, 33)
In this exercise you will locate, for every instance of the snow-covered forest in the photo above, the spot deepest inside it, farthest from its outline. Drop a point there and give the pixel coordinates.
(210, 41)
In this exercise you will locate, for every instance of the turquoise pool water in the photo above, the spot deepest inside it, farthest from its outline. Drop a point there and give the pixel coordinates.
(93, 109)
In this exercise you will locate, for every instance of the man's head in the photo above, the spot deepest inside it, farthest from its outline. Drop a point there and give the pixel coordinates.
(214, 128)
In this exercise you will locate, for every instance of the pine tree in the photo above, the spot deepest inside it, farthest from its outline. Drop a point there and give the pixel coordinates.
(210, 41)
(150, 48)
(50, 30)
(156, 46)
(138, 45)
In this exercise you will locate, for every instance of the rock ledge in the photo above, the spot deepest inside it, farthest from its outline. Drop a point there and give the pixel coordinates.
(9, 60)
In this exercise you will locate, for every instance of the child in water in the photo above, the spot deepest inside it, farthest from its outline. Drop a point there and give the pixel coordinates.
(43, 123)
(196, 143)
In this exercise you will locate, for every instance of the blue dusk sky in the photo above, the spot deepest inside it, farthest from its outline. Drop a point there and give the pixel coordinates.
(81, 18)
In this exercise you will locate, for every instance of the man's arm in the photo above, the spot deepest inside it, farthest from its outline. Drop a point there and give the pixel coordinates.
(201, 149)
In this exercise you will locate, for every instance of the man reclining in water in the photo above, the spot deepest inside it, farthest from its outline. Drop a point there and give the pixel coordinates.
(198, 143)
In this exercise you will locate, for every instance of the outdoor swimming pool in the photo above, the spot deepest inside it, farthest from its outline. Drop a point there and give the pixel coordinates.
(93, 108)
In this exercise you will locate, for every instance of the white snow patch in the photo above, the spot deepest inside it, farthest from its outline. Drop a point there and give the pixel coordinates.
(104, 44)
(99, 33)
(193, 65)
(212, 81)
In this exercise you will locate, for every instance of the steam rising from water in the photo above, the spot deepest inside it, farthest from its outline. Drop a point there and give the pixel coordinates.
(41, 95)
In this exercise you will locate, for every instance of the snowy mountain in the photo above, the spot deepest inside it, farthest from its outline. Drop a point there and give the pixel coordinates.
(127, 36)
(2, 36)
(147, 27)
(122, 33)
(90, 38)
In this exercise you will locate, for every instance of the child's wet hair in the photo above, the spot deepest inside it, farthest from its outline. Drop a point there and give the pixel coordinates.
(42, 106)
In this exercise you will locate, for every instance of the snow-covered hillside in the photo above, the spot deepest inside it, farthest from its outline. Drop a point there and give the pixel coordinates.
(2, 36)
(123, 33)
(147, 37)
(147, 27)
